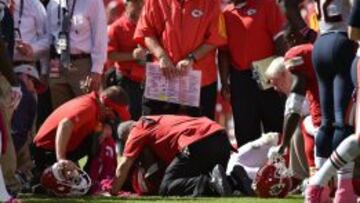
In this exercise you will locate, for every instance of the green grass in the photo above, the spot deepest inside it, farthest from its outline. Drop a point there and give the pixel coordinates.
(36, 199)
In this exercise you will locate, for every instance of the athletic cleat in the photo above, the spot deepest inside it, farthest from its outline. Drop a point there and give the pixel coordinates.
(219, 182)
(13, 200)
(317, 194)
(241, 181)
(345, 192)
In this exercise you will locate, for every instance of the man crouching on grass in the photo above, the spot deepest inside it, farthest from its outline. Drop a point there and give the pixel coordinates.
(67, 134)
(195, 151)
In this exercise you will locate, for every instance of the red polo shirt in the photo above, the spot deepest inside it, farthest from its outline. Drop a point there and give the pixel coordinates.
(121, 34)
(251, 31)
(83, 111)
(183, 27)
(302, 54)
(167, 135)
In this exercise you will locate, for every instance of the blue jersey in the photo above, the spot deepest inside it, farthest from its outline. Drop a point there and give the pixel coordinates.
(333, 15)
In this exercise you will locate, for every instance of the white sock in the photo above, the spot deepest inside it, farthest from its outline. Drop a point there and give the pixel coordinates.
(319, 161)
(344, 153)
(346, 172)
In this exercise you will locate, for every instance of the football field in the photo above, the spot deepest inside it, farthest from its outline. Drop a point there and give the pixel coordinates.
(291, 199)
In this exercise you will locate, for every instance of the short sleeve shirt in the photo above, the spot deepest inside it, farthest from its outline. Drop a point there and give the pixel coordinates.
(168, 135)
(183, 27)
(121, 34)
(251, 31)
(82, 111)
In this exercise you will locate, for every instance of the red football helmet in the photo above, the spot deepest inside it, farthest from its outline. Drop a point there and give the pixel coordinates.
(54, 181)
(273, 179)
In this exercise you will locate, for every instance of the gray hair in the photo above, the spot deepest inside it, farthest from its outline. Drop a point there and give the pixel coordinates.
(124, 128)
(276, 67)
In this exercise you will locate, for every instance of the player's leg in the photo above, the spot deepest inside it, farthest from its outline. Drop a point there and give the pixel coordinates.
(325, 73)
(344, 153)
(343, 88)
(188, 173)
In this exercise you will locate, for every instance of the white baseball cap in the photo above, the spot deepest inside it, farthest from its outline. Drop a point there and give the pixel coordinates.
(32, 72)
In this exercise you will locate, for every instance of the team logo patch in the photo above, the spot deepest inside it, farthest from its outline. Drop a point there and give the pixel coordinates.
(251, 12)
(197, 13)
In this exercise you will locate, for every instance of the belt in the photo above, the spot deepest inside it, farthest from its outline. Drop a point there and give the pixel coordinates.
(79, 56)
(75, 57)
(334, 32)
(18, 63)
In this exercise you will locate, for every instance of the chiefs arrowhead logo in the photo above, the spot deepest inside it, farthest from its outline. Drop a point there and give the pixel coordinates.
(197, 13)
(251, 12)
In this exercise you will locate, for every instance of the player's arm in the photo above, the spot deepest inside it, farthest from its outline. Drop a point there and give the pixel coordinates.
(224, 71)
(293, 108)
(203, 50)
(166, 65)
(62, 138)
(155, 48)
(185, 64)
(122, 172)
(121, 56)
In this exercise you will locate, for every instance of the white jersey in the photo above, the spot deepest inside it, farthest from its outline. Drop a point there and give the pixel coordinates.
(358, 51)
(333, 15)
(253, 155)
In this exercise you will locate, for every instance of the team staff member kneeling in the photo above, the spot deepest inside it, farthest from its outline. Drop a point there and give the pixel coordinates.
(191, 148)
(66, 137)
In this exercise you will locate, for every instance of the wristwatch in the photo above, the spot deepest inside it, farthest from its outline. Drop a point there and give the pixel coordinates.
(191, 56)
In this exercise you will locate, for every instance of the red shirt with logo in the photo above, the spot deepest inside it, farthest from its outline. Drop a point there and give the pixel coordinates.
(252, 30)
(83, 111)
(168, 135)
(121, 34)
(181, 27)
(298, 61)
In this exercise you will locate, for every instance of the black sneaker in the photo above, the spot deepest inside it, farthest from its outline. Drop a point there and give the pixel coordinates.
(241, 181)
(219, 182)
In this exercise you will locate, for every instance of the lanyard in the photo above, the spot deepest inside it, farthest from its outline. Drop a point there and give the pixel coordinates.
(64, 10)
(17, 29)
(21, 12)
